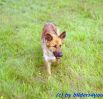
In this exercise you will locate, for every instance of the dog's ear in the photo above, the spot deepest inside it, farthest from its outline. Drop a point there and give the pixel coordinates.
(48, 37)
(62, 35)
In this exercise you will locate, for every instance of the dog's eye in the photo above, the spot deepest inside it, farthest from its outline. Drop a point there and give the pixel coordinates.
(55, 46)
(59, 45)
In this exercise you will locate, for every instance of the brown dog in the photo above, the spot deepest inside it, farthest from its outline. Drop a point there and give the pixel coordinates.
(52, 40)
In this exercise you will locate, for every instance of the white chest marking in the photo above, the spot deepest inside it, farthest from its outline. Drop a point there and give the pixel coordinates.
(47, 54)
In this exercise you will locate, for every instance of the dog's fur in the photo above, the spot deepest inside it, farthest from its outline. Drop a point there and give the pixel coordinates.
(52, 40)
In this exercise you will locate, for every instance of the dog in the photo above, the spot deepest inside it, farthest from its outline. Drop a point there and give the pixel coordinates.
(52, 41)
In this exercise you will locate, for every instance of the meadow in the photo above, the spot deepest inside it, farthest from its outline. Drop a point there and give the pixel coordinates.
(21, 59)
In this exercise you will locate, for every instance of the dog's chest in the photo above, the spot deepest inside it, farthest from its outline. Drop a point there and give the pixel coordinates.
(49, 58)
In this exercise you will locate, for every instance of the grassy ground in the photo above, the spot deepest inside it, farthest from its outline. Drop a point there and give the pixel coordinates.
(21, 62)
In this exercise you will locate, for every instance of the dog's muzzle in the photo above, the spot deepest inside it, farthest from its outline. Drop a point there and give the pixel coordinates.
(58, 54)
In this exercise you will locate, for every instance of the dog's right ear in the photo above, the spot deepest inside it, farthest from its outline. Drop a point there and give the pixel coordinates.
(48, 37)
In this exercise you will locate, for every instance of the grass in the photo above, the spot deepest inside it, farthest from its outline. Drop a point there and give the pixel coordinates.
(21, 62)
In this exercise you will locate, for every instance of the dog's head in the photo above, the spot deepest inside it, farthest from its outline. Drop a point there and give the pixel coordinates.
(54, 43)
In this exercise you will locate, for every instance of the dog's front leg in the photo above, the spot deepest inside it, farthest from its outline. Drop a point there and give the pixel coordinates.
(48, 67)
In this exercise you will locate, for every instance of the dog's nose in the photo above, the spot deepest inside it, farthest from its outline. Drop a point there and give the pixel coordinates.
(58, 54)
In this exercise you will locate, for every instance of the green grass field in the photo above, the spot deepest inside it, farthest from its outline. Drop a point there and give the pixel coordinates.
(21, 59)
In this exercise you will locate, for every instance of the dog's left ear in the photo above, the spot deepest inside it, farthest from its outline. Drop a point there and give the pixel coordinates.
(62, 35)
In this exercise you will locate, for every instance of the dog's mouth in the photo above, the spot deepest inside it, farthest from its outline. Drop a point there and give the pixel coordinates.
(57, 57)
